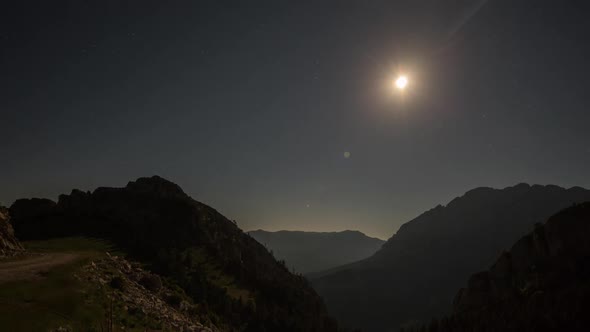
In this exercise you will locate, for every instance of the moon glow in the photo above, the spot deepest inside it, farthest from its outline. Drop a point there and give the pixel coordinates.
(401, 82)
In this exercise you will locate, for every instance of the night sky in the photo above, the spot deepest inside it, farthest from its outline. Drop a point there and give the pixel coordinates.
(283, 115)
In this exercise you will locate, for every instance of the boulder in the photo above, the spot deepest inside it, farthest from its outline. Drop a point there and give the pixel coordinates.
(9, 245)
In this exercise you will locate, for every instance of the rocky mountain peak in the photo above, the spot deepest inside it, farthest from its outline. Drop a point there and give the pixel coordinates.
(158, 186)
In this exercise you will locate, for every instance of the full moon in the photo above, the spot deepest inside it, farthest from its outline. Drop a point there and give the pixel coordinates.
(401, 82)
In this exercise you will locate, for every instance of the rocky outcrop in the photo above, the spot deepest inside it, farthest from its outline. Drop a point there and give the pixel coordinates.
(126, 282)
(9, 245)
(157, 186)
(38, 212)
(541, 284)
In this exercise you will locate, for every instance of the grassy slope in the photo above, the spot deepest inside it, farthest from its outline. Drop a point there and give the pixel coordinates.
(58, 298)
(216, 276)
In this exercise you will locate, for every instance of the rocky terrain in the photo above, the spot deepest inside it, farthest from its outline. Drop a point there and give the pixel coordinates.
(9, 245)
(140, 292)
(541, 284)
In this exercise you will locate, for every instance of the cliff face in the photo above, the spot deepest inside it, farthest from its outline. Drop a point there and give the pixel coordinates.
(9, 245)
(207, 255)
(541, 284)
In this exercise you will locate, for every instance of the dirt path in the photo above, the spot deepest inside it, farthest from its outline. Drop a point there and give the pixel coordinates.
(32, 267)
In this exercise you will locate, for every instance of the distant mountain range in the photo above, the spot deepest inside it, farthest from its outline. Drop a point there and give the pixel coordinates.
(232, 279)
(416, 273)
(317, 251)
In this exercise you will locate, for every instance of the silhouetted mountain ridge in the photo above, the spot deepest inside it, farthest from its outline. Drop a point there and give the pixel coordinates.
(541, 284)
(416, 272)
(223, 269)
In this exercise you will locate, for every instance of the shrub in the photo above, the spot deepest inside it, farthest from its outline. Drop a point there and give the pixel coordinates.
(174, 300)
(118, 283)
(151, 282)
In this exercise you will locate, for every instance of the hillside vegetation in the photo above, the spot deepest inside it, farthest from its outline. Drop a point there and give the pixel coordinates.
(233, 278)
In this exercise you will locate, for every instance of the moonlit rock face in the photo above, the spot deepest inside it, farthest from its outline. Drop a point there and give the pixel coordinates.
(401, 82)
